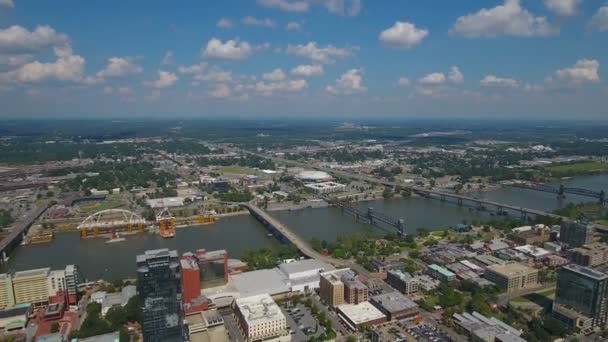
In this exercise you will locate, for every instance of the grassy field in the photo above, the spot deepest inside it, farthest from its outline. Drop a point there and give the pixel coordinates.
(92, 208)
(578, 168)
(541, 298)
(238, 170)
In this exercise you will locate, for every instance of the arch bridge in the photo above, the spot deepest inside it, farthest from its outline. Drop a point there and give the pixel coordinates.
(112, 218)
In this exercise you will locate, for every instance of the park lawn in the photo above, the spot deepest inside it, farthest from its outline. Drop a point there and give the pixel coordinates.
(520, 300)
(547, 293)
(237, 170)
(582, 167)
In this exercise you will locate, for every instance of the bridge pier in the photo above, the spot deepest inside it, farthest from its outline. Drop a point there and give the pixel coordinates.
(442, 198)
(460, 202)
(401, 228)
(370, 215)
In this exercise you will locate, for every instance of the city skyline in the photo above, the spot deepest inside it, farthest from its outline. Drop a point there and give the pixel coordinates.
(280, 58)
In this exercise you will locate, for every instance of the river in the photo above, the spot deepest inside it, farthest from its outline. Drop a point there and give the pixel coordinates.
(117, 260)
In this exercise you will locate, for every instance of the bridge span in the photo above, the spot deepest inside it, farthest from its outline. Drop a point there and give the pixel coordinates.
(20, 229)
(285, 234)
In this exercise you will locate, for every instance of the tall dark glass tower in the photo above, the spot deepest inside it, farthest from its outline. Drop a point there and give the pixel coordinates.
(160, 288)
(581, 297)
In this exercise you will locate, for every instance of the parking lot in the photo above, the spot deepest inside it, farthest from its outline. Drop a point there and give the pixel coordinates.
(301, 323)
(427, 333)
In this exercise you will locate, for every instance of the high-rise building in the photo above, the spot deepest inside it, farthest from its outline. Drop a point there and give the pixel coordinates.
(56, 282)
(160, 288)
(32, 287)
(355, 291)
(72, 279)
(331, 289)
(7, 296)
(575, 233)
(581, 297)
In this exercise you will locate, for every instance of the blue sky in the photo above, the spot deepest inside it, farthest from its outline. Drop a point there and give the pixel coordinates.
(294, 58)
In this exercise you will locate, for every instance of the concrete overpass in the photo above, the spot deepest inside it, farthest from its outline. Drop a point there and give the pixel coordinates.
(20, 229)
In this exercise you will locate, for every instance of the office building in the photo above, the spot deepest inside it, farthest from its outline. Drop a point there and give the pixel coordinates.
(536, 235)
(440, 273)
(261, 319)
(160, 288)
(331, 288)
(575, 233)
(402, 281)
(355, 291)
(593, 254)
(56, 282)
(513, 276)
(72, 279)
(32, 287)
(7, 296)
(15, 318)
(581, 297)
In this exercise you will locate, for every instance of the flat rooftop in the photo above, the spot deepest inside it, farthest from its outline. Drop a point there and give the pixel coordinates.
(40, 272)
(586, 271)
(304, 266)
(512, 269)
(259, 309)
(401, 275)
(253, 283)
(360, 313)
(444, 271)
(394, 302)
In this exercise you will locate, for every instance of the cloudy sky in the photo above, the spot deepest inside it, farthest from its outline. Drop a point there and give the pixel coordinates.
(294, 58)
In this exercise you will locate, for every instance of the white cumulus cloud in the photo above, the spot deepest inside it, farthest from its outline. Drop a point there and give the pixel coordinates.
(324, 55)
(225, 23)
(192, 69)
(275, 75)
(344, 7)
(168, 58)
(308, 70)
(494, 81)
(231, 49)
(286, 5)
(165, 79)
(269, 88)
(17, 39)
(455, 75)
(509, 19)
(564, 8)
(7, 4)
(403, 35)
(293, 26)
(351, 82)
(583, 71)
(120, 67)
(253, 21)
(404, 82)
(221, 90)
(433, 78)
(599, 21)
(67, 68)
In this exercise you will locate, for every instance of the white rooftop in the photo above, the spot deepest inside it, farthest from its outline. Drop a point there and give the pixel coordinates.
(259, 309)
(258, 282)
(361, 313)
(301, 266)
